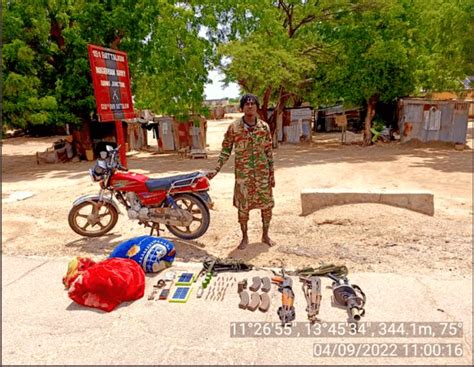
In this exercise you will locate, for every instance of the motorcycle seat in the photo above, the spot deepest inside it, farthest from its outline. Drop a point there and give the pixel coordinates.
(155, 184)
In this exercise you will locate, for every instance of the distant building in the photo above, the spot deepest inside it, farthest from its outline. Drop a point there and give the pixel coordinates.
(216, 102)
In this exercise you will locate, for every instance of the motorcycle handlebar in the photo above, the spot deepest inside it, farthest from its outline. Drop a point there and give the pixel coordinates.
(114, 160)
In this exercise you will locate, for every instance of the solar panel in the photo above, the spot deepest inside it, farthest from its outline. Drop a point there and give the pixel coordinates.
(181, 294)
(185, 279)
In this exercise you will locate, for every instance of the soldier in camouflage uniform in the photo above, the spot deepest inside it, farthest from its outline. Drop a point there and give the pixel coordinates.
(254, 175)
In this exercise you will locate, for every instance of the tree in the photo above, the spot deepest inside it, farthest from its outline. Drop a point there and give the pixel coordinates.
(319, 51)
(46, 72)
(358, 51)
(395, 48)
(374, 61)
(171, 78)
(25, 61)
(275, 47)
(445, 43)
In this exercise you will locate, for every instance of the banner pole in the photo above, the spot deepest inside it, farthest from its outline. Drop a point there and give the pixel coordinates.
(121, 142)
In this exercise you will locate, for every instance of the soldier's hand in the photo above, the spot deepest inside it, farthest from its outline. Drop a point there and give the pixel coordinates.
(272, 181)
(210, 174)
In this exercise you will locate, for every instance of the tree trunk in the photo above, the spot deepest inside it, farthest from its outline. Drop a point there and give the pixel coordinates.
(282, 99)
(368, 119)
(263, 111)
(116, 42)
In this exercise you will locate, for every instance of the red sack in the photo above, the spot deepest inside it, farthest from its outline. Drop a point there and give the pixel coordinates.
(76, 267)
(108, 283)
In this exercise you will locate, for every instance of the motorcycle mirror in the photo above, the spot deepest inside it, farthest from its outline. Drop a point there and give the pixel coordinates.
(103, 155)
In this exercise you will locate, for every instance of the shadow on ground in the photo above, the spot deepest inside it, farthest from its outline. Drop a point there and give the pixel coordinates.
(437, 157)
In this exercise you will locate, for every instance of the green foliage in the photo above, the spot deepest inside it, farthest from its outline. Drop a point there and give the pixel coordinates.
(206, 112)
(378, 126)
(395, 48)
(255, 70)
(374, 58)
(46, 72)
(182, 117)
(272, 45)
(444, 43)
(320, 51)
(172, 78)
(327, 51)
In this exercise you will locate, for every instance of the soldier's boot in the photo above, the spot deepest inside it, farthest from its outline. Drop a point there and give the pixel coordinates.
(265, 238)
(245, 238)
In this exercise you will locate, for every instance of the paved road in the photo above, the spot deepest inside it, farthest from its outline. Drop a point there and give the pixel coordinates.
(41, 325)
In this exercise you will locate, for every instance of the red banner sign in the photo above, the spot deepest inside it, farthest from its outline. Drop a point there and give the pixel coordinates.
(111, 83)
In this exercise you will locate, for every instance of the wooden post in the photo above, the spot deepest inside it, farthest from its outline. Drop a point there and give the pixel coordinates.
(121, 142)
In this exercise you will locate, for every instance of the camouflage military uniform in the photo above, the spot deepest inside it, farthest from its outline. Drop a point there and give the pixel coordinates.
(253, 167)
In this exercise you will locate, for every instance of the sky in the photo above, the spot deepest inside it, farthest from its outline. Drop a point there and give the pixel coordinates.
(215, 90)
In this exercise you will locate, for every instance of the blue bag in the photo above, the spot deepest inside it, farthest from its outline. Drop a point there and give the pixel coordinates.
(151, 253)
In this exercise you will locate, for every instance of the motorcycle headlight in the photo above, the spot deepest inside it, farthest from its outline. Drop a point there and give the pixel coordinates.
(93, 176)
(98, 171)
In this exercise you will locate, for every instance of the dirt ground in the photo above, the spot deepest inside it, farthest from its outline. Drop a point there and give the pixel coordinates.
(365, 237)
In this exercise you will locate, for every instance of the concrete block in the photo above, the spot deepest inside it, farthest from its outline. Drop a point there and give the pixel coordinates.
(315, 199)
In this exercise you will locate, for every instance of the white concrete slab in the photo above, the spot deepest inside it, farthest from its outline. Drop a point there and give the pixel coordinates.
(315, 199)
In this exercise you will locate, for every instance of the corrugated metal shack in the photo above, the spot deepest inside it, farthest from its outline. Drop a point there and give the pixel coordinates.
(466, 95)
(433, 120)
(296, 125)
(325, 119)
(164, 133)
(93, 137)
(173, 135)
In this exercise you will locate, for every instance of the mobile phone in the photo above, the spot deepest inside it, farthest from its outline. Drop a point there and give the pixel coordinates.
(164, 294)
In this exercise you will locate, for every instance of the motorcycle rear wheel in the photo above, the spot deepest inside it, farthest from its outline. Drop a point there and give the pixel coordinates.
(201, 217)
(85, 217)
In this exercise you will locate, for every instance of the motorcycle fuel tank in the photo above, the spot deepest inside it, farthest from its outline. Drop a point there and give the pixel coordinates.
(129, 181)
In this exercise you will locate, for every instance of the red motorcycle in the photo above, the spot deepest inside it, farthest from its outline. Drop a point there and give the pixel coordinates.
(181, 202)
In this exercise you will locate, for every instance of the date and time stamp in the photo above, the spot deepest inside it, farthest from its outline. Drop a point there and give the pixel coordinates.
(408, 331)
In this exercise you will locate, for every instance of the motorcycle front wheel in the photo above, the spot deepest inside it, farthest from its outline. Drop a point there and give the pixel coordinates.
(92, 218)
(201, 217)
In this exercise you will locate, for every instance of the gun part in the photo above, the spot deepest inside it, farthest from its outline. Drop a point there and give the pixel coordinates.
(286, 312)
(244, 300)
(256, 284)
(254, 302)
(199, 292)
(349, 296)
(312, 292)
(264, 302)
(208, 293)
(241, 286)
(266, 284)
